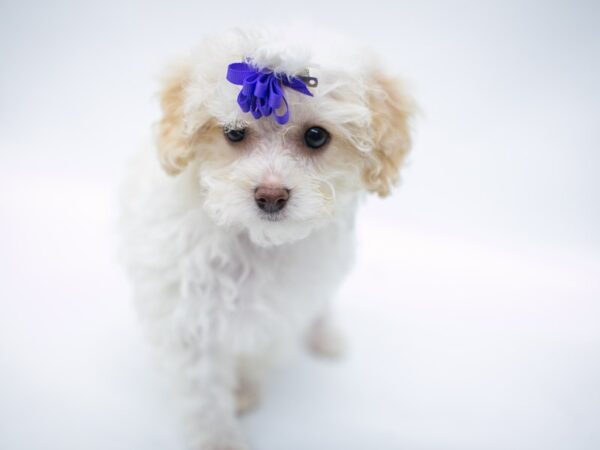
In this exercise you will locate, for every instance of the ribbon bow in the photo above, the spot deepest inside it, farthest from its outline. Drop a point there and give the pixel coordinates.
(262, 90)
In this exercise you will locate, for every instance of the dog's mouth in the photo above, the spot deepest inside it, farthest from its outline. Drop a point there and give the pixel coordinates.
(272, 217)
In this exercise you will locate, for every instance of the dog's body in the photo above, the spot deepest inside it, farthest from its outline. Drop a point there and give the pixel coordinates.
(225, 286)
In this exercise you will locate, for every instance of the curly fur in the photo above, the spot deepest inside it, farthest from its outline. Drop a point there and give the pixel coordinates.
(221, 291)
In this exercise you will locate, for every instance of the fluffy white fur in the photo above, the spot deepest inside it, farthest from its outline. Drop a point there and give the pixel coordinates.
(223, 291)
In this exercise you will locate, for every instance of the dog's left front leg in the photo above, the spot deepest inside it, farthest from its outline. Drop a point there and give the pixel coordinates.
(324, 338)
(209, 404)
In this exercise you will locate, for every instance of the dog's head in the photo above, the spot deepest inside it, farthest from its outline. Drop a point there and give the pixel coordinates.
(279, 181)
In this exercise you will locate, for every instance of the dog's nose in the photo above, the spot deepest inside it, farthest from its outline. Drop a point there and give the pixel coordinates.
(271, 199)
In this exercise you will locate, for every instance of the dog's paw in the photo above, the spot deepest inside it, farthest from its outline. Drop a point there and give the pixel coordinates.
(326, 341)
(247, 397)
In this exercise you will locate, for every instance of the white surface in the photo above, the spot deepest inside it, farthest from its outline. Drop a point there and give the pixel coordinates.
(474, 310)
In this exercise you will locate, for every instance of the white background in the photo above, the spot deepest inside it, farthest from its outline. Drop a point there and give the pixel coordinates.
(473, 315)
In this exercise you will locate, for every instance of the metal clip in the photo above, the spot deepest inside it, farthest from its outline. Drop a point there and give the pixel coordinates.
(309, 81)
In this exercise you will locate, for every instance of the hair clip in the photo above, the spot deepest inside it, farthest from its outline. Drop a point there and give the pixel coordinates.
(262, 89)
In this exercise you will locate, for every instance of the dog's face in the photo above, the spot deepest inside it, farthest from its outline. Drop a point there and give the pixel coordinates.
(280, 182)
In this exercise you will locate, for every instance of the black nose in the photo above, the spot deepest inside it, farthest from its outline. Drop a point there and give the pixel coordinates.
(271, 199)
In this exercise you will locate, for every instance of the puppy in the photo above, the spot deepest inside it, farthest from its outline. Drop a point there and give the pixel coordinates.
(238, 226)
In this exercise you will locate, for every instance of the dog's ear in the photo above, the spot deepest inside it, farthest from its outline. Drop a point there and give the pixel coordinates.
(392, 111)
(175, 149)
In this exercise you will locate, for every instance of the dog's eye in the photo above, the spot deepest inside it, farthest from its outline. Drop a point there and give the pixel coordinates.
(316, 137)
(235, 135)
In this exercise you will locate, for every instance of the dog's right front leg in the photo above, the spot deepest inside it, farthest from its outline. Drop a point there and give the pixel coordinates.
(209, 403)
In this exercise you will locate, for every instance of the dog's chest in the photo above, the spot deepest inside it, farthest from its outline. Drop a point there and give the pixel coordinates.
(255, 295)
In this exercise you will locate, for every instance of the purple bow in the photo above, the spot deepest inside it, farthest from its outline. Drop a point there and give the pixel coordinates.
(262, 90)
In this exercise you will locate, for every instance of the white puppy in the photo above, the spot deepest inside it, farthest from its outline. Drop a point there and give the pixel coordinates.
(239, 233)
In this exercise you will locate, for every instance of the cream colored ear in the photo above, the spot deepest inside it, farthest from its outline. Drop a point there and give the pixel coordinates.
(175, 148)
(392, 111)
